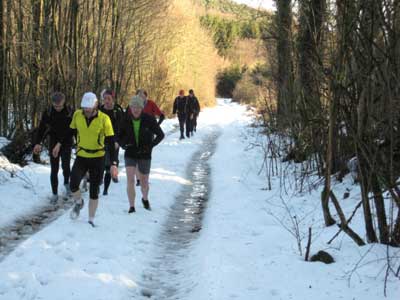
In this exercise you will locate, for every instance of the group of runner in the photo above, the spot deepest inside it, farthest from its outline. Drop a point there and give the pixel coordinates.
(99, 131)
(187, 108)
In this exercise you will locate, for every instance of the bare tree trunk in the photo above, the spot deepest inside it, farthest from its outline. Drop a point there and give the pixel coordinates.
(98, 68)
(327, 189)
(395, 237)
(380, 210)
(3, 97)
(19, 109)
(8, 87)
(286, 101)
(312, 15)
(71, 85)
(36, 60)
(369, 226)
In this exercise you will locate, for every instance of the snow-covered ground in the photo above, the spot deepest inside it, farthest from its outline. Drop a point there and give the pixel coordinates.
(242, 252)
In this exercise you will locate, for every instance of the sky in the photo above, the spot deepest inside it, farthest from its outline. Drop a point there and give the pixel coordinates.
(268, 4)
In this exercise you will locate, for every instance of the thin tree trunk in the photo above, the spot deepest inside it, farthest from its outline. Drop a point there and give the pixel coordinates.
(369, 227)
(3, 97)
(395, 237)
(36, 60)
(97, 73)
(285, 65)
(325, 194)
(380, 210)
(19, 103)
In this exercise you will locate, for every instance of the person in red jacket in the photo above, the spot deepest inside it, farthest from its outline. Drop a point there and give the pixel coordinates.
(150, 108)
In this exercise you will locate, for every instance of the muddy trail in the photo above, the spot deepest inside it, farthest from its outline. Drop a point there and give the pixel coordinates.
(164, 278)
(21, 229)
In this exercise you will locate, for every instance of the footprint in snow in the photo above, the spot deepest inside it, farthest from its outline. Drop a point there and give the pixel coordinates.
(19, 253)
(43, 277)
(274, 292)
(105, 254)
(67, 255)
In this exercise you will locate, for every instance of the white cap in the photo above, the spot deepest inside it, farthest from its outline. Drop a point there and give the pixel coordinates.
(89, 100)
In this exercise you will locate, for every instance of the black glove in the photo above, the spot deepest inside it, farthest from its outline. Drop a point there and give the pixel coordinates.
(147, 148)
(161, 119)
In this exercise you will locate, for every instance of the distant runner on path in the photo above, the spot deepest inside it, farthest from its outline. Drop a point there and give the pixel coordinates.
(193, 112)
(180, 108)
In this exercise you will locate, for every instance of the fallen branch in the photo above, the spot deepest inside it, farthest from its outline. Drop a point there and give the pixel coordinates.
(348, 221)
(343, 222)
(308, 244)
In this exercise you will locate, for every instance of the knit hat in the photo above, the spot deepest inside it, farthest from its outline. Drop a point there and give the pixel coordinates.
(57, 97)
(137, 101)
(89, 100)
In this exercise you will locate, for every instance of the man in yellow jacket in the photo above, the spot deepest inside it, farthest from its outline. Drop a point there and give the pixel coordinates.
(93, 132)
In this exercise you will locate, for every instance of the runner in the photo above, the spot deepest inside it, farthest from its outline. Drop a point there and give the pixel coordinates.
(55, 123)
(194, 110)
(180, 108)
(136, 136)
(94, 131)
(115, 112)
(152, 109)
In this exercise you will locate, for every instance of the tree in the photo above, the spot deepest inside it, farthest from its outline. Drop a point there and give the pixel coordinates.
(285, 87)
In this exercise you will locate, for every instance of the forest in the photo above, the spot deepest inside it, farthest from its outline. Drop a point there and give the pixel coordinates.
(77, 46)
(327, 90)
(335, 69)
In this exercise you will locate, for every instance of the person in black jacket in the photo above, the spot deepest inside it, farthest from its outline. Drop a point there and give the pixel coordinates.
(115, 112)
(193, 112)
(180, 108)
(55, 123)
(139, 133)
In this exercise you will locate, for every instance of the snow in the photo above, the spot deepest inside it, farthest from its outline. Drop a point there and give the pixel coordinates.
(3, 142)
(242, 252)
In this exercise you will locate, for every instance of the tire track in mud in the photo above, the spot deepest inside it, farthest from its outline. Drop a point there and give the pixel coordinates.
(24, 227)
(165, 276)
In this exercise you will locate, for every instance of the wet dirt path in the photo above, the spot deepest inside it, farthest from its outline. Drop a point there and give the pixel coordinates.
(21, 229)
(163, 278)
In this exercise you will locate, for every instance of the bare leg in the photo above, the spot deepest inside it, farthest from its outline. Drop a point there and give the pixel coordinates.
(130, 188)
(144, 185)
(77, 196)
(93, 203)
